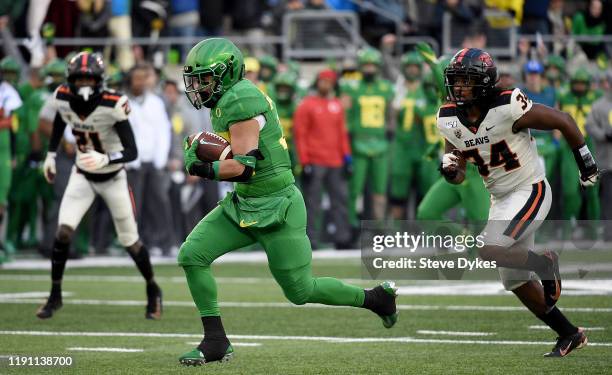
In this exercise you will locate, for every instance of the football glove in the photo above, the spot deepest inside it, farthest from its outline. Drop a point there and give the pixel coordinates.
(590, 180)
(426, 52)
(450, 160)
(49, 167)
(189, 154)
(92, 160)
(589, 173)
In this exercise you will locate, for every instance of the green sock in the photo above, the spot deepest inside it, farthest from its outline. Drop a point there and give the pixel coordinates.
(203, 289)
(330, 291)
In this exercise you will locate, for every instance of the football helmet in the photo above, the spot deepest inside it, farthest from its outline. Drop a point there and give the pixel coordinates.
(472, 68)
(85, 65)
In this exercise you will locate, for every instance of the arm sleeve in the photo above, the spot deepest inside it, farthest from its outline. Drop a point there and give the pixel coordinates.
(56, 134)
(126, 136)
(519, 104)
(300, 125)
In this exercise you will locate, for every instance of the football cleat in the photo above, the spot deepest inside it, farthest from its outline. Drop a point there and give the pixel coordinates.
(49, 308)
(386, 293)
(551, 280)
(566, 344)
(154, 302)
(196, 357)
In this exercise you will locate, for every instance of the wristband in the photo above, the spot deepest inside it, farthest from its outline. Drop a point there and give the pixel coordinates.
(204, 170)
(584, 159)
(449, 175)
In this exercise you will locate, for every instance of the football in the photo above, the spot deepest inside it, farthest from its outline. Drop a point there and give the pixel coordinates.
(211, 147)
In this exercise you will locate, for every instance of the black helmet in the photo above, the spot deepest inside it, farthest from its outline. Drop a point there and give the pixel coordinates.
(478, 69)
(89, 65)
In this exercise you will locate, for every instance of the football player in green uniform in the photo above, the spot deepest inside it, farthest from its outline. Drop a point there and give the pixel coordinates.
(285, 97)
(471, 195)
(268, 66)
(367, 103)
(415, 131)
(577, 103)
(265, 207)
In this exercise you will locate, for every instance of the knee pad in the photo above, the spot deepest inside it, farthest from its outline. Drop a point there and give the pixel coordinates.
(64, 234)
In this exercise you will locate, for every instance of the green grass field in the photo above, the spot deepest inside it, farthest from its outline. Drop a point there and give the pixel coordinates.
(104, 308)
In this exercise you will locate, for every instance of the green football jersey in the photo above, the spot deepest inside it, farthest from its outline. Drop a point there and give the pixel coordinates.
(369, 106)
(578, 107)
(245, 101)
(285, 115)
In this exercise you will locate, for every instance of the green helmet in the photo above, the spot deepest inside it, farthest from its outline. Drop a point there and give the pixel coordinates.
(285, 79)
(556, 61)
(581, 75)
(10, 70)
(411, 58)
(217, 58)
(369, 55)
(269, 61)
(56, 67)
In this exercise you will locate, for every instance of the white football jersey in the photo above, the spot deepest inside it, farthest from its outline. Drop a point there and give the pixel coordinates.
(506, 160)
(97, 130)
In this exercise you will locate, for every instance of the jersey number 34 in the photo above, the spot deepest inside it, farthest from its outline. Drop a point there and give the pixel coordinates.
(501, 155)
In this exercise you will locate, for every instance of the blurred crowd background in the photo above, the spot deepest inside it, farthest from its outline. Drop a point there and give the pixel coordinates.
(356, 99)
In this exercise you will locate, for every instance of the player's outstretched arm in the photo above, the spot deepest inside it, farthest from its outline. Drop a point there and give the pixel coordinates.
(244, 141)
(542, 117)
(126, 136)
(453, 164)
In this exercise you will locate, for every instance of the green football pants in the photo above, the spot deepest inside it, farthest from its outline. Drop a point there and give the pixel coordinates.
(571, 193)
(410, 168)
(376, 168)
(5, 166)
(289, 259)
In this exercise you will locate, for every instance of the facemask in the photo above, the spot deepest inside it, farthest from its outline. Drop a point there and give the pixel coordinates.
(85, 92)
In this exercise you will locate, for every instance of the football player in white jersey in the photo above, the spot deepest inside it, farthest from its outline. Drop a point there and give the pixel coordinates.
(99, 121)
(489, 127)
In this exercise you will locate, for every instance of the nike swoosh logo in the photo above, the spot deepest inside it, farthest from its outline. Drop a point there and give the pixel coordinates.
(563, 352)
(244, 225)
(487, 129)
(203, 142)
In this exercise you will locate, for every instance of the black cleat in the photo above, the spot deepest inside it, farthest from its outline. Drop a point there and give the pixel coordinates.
(154, 302)
(49, 308)
(566, 344)
(384, 296)
(551, 280)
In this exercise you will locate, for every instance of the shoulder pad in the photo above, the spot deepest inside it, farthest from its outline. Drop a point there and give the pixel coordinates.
(62, 93)
(447, 110)
(110, 99)
(503, 98)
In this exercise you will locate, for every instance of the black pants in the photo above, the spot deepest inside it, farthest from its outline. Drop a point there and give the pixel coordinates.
(333, 182)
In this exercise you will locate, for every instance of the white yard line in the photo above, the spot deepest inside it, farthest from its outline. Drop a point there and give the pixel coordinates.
(308, 306)
(453, 333)
(248, 344)
(292, 338)
(103, 349)
(585, 328)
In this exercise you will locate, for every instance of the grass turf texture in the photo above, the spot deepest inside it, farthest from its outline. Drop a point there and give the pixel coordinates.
(283, 355)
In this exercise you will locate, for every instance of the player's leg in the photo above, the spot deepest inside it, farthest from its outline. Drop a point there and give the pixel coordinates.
(116, 194)
(572, 200)
(440, 198)
(402, 171)
(5, 184)
(289, 259)
(379, 170)
(356, 185)
(475, 199)
(512, 219)
(215, 235)
(531, 294)
(76, 201)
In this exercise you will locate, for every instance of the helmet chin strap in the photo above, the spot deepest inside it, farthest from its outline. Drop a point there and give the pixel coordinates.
(85, 92)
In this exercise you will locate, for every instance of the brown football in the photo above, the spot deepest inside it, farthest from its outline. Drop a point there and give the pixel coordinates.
(212, 147)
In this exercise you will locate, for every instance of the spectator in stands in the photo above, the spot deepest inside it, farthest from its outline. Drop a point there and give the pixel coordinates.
(462, 17)
(535, 17)
(149, 179)
(599, 128)
(323, 149)
(120, 26)
(247, 21)
(506, 80)
(211, 17)
(558, 29)
(184, 21)
(592, 23)
(534, 86)
(93, 19)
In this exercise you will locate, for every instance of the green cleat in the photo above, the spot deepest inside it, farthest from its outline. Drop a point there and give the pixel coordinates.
(391, 290)
(196, 357)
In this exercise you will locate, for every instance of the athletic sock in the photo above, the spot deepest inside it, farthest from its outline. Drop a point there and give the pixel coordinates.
(558, 322)
(538, 263)
(379, 301)
(56, 290)
(143, 263)
(215, 342)
(59, 255)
